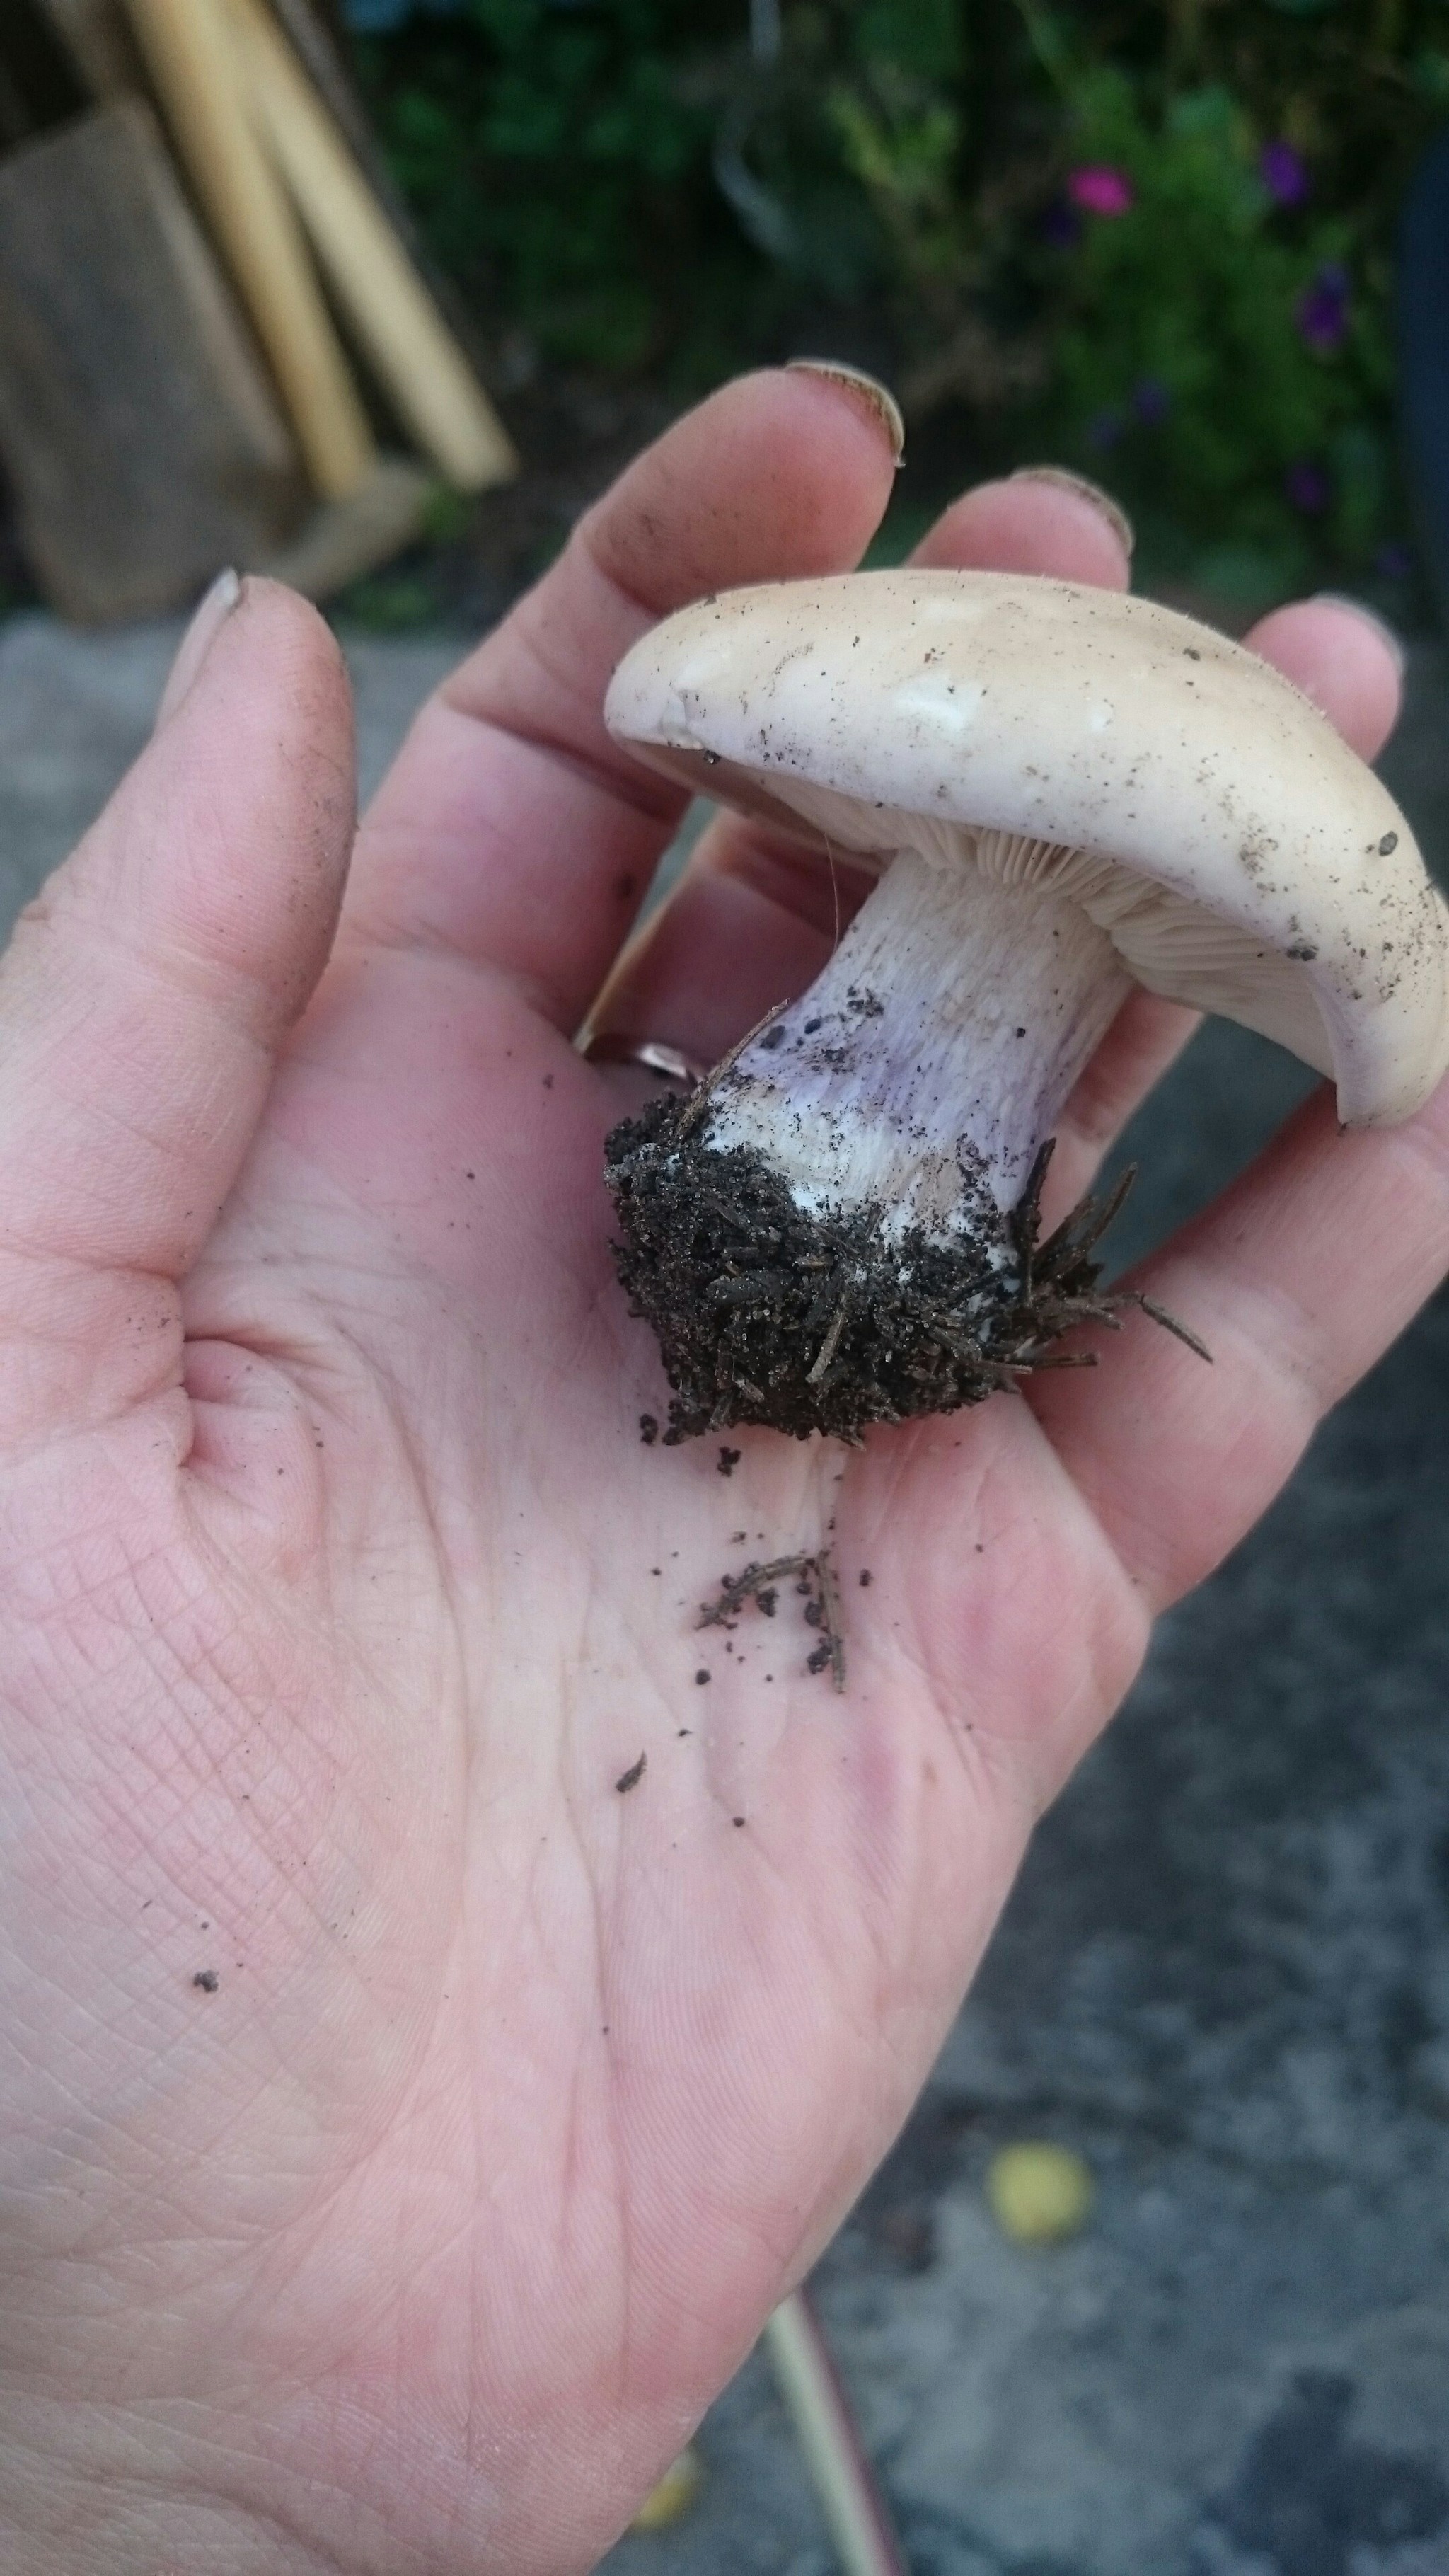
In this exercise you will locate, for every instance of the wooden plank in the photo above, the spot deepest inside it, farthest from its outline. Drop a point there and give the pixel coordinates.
(424, 372)
(190, 52)
(140, 435)
(99, 38)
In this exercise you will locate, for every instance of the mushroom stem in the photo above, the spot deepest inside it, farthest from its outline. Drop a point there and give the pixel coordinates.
(920, 1073)
(838, 1230)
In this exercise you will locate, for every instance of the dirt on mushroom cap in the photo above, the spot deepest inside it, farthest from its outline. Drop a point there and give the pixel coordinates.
(1208, 818)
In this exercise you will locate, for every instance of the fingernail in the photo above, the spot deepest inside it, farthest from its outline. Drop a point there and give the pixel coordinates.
(1371, 617)
(223, 596)
(877, 398)
(1102, 502)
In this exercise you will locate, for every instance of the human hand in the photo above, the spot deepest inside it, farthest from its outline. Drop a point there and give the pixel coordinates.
(331, 1616)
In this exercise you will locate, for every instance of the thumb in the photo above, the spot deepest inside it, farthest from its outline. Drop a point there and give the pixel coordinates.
(144, 996)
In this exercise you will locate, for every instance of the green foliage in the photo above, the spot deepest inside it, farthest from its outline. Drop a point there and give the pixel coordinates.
(1186, 367)
(559, 158)
(622, 187)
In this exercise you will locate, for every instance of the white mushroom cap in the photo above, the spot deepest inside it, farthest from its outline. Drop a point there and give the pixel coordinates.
(1200, 809)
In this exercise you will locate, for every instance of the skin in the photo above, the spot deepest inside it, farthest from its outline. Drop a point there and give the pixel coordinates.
(329, 1620)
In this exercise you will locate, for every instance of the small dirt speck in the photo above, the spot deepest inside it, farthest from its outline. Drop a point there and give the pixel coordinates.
(548, 1082)
(702, 1675)
(207, 1979)
(865, 1577)
(729, 1459)
(737, 1820)
(648, 1429)
(909, 2233)
(631, 1778)
(816, 1586)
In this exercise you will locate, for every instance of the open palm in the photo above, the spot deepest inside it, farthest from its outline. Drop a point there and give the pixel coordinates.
(404, 2128)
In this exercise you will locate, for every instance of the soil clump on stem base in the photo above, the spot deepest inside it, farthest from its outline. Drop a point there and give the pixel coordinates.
(804, 1323)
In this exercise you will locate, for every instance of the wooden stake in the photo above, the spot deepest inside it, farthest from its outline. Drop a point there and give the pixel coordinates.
(418, 361)
(190, 51)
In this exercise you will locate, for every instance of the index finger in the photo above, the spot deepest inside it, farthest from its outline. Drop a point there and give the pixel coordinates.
(511, 831)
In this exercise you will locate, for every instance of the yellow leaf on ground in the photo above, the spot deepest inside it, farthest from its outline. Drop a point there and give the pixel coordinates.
(673, 2496)
(1039, 2193)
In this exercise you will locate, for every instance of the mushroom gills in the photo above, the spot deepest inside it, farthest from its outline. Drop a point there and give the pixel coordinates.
(1172, 946)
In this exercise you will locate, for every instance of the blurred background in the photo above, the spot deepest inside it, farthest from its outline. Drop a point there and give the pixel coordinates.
(377, 294)
(1152, 238)
(1157, 239)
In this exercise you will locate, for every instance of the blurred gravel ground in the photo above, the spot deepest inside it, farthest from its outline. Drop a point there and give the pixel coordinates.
(1224, 1976)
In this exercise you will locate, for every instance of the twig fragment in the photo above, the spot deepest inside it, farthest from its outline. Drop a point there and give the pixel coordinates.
(855, 2510)
(826, 1352)
(834, 1636)
(1170, 1323)
(814, 1576)
(703, 1093)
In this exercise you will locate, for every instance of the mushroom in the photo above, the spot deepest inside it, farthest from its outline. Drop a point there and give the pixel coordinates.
(1068, 791)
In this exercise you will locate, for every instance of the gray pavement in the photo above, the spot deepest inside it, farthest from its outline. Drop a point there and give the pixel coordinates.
(76, 709)
(1224, 1976)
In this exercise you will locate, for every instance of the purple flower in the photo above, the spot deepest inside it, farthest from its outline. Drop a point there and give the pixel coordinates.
(1283, 174)
(1308, 487)
(1322, 315)
(1151, 401)
(1061, 225)
(1324, 310)
(1105, 428)
(1100, 190)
